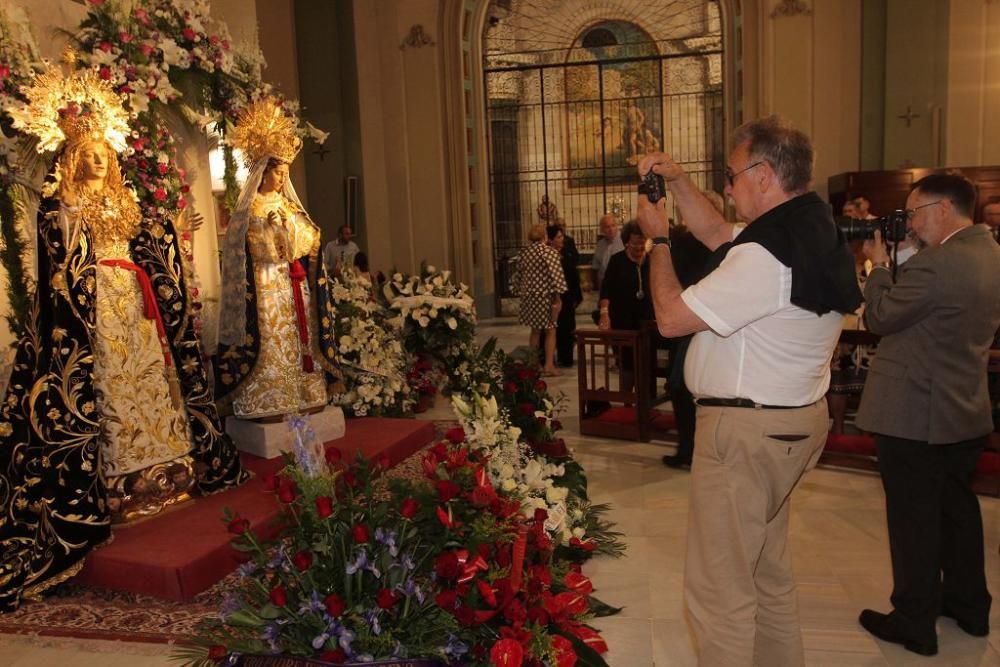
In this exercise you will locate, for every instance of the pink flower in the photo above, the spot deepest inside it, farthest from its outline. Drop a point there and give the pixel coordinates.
(160, 194)
(125, 36)
(104, 46)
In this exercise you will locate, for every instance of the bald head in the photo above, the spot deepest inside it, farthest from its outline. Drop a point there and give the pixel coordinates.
(609, 226)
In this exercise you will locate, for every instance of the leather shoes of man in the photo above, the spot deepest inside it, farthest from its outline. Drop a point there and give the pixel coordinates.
(674, 461)
(887, 628)
(974, 629)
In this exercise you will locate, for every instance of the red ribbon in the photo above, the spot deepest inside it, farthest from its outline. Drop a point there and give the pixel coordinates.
(298, 275)
(149, 308)
(469, 568)
(517, 558)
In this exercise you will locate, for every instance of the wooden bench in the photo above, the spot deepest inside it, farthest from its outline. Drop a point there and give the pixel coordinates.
(598, 354)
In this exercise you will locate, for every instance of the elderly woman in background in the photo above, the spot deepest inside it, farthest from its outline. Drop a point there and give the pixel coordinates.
(572, 297)
(540, 284)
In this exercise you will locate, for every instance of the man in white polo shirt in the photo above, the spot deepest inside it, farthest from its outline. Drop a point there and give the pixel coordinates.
(766, 317)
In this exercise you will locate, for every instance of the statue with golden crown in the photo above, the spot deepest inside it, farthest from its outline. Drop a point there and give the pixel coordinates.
(109, 414)
(275, 314)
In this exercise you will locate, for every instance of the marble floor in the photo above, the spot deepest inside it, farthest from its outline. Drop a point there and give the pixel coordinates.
(839, 543)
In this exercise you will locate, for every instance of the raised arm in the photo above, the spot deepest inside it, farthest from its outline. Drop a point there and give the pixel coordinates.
(707, 225)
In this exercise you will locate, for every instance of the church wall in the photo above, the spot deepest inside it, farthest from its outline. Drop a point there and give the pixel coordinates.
(810, 65)
(973, 103)
(400, 98)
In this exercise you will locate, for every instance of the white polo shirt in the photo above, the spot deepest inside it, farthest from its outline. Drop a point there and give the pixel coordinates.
(759, 345)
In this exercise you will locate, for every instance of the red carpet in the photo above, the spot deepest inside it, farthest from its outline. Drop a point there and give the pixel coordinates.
(183, 552)
(662, 420)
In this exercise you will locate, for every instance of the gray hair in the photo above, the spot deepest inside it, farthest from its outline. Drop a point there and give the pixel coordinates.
(787, 150)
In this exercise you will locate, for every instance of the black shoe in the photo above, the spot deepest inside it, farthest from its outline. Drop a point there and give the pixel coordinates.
(887, 628)
(677, 462)
(974, 629)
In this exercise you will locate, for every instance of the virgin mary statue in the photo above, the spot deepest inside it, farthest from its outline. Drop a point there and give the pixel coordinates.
(109, 414)
(275, 315)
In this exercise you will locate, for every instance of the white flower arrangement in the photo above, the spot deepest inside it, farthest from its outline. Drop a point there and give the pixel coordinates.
(369, 351)
(518, 471)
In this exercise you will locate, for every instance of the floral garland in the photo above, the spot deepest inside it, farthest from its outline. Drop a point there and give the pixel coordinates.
(18, 61)
(438, 318)
(369, 351)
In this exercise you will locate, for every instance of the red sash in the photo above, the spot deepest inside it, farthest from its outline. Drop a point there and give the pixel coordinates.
(150, 310)
(298, 275)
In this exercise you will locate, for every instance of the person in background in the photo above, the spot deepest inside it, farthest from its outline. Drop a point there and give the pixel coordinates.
(376, 278)
(340, 252)
(572, 297)
(607, 245)
(625, 294)
(540, 284)
(850, 209)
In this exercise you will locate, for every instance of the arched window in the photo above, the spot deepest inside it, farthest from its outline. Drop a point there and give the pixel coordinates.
(576, 93)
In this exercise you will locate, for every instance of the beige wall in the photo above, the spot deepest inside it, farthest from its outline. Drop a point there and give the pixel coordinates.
(400, 95)
(810, 67)
(973, 103)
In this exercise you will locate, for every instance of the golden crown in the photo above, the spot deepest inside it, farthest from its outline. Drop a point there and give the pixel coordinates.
(71, 108)
(263, 130)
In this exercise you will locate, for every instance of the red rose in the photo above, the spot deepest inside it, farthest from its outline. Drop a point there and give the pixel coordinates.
(383, 462)
(456, 435)
(581, 544)
(540, 385)
(225, 45)
(104, 46)
(336, 656)
(302, 560)
(565, 655)
(160, 194)
(515, 612)
(510, 388)
(527, 409)
(189, 34)
(238, 525)
(466, 616)
(124, 36)
(213, 40)
(446, 565)
(334, 605)
(386, 599)
(286, 490)
(507, 653)
(324, 506)
(4, 72)
(446, 600)
(182, 204)
(482, 496)
(349, 478)
(105, 73)
(440, 451)
(333, 455)
(409, 508)
(278, 596)
(360, 533)
(217, 652)
(523, 374)
(447, 489)
(162, 168)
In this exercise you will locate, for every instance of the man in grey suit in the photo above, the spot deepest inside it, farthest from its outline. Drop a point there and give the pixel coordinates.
(927, 403)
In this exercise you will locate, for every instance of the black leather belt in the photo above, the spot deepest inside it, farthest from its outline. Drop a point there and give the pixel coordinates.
(744, 403)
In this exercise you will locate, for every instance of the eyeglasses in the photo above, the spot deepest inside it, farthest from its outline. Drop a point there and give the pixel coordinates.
(731, 175)
(911, 212)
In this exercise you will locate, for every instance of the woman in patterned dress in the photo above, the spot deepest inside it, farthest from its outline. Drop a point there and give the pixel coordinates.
(540, 284)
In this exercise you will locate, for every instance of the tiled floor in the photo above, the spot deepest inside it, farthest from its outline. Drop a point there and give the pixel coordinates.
(839, 547)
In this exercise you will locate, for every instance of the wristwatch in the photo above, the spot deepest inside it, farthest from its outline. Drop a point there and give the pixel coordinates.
(662, 240)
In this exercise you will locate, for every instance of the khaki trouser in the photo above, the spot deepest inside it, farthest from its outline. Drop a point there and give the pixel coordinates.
(738, 582)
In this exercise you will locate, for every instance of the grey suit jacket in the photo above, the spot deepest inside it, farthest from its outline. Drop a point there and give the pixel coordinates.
(927, 381)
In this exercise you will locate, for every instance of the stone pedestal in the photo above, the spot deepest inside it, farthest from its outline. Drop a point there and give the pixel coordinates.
(270, 440)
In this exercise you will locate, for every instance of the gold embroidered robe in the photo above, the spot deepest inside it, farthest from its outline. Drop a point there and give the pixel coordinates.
(278, 384)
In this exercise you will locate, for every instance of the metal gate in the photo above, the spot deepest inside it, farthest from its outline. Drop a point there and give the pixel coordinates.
(572, 133)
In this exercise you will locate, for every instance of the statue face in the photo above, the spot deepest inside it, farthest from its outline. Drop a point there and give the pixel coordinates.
(274, 179)
(92, 164)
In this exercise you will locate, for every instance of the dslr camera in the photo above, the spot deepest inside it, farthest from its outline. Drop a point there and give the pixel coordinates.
(892, 226)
